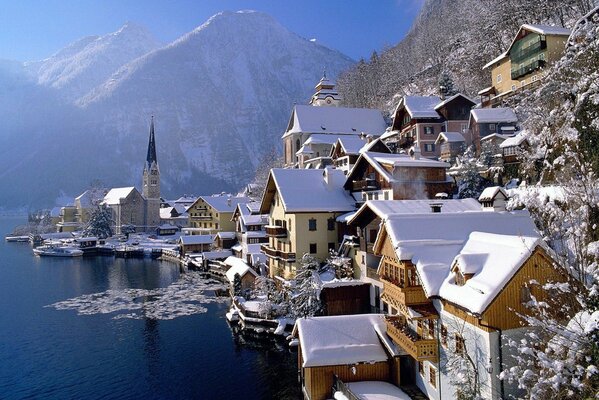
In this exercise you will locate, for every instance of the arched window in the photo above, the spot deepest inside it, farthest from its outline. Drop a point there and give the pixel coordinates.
(297, 145)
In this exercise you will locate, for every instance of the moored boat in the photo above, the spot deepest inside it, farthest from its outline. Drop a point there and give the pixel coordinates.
(57, 251)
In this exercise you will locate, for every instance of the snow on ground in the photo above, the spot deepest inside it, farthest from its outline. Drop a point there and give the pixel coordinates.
(186, 296)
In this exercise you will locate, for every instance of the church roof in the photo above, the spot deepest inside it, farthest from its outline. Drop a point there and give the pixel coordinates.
(151, 145)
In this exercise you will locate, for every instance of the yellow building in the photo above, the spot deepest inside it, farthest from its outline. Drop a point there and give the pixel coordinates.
(533, 50)
(212, 214)
(302, 207)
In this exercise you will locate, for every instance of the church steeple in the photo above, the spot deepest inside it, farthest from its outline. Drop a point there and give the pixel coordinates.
(151, 158)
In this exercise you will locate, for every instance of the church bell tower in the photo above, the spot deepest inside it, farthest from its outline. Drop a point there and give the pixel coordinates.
(151, 183)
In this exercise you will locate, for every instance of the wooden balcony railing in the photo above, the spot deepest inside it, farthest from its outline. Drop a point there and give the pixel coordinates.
(365, 184)
(409, 340)
(281, 255)
(275, 231)
(406, 295)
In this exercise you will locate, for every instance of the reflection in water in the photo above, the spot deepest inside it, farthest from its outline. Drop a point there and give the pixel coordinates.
(185, 296)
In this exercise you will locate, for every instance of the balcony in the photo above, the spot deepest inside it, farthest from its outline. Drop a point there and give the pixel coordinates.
(414, 344)
(365, 184)
(275, 231)
(402, 296)
(405, 142)
(202, 217)
(527, 69)
(526, 52)
(278, 254)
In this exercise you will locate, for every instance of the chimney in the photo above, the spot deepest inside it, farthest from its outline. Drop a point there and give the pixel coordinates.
(369, 138)
(436, 207)
(415, 151)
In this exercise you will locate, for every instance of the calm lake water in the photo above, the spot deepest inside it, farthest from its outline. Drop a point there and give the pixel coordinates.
(99, 328)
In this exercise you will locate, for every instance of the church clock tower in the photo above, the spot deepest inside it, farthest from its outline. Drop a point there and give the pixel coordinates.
(151, 183)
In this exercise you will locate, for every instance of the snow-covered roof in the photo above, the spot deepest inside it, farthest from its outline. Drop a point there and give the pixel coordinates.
(493, 61)
(215, 255)
(343, 339)
(451, 98)
(547, 29)
(515, 140)
(489, 193)
(225, 203)
(316, 190)
(335, 120)
(237, 266)
(226, 235)
(351, 144)
(376, 390)
(432, 242)
(322, 138)
(196, 239)
(115, 195)
(421, 106)
(167, 227)
(386, 208)
(185, 199)
(90, 197)
(493, 115)
(404, 160)
(452, 137)
(499, 136)
(493, 260)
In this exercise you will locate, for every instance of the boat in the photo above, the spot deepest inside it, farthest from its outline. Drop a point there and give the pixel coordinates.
(57, 251)
(17, 238)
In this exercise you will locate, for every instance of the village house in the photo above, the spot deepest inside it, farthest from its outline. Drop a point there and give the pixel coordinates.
(302, 207)
(454, 284)
(347, 354)
(418, 120)
(367, 221)
(194, 244)
(512, 147)
(523, 64)
(450, 145)
(324, 117)
(247, 275)
(380, 176)
(347, 149)
(212, 214)
(250, 232)
(484, 122)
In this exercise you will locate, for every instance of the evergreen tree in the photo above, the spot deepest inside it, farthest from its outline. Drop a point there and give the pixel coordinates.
(305, 301)
(100, 223)
(470, 182)
(237, 291)
(342, 266)
(446, 86)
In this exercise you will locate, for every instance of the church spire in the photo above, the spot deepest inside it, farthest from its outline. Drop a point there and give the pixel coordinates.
(151, 146)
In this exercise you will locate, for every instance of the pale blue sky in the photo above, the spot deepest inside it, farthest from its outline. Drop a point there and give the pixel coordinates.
(33, 30)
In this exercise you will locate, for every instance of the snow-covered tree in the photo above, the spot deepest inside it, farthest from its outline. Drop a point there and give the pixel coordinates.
(446, 85)
(100, 223)
(305, 301)
(559, 358)
(342, 266)
(467, 172)
(237, 291)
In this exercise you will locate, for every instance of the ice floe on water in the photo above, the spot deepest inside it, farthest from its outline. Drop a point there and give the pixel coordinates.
(186, 296)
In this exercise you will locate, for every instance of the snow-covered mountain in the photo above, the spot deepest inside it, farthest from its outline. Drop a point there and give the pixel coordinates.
(89, 61)
(221, 96)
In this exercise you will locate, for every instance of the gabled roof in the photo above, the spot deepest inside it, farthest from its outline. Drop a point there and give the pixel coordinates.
(498, 136)
(383, 209)
(225, 202)
(515, 140)
(420, 106)
(395, 160)
(237, 266)
(491, 192)
(350, 144)
(452, 98)
(343, 340)
(335, 120)
(452, 137)
(115, 195)
(433, 241)
(196, 239)
(308, 190)
(91, 197)
(493, 115)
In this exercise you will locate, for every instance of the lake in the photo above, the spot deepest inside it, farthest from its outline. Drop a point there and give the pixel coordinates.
(106, 328)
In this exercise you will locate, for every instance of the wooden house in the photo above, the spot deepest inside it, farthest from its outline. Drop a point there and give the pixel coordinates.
(380, 176)
(195, 244)
(455, 284)
(451, 145)
(484, 122)
(349, 348)
(246, 274)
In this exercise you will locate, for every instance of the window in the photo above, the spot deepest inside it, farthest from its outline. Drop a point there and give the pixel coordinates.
(429, 147)
(312, 224)
(289, 225)
(513, 87)
(431, 328)
(331, 224)
(386, 195)
(432, 376)
(498, 78)
(533, 78)
(216, 225)
(523, 83)
(460, 344)
(312, 248)
(429, 130)
(443, 335)
(492, 127)
(421, 367)
(331, 246)
(297, 145)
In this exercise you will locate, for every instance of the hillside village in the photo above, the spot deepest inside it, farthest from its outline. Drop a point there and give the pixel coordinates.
(396, 253)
